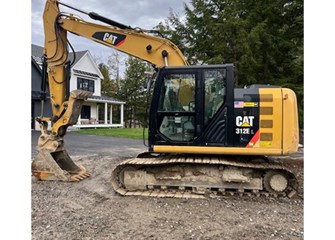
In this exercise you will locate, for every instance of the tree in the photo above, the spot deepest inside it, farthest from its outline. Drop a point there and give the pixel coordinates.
(133, 93)
(115, 62)
(107, 85)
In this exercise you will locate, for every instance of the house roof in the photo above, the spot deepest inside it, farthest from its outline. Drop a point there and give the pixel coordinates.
(36, 65)
(37, 53)
(105, 98)
(86, 73)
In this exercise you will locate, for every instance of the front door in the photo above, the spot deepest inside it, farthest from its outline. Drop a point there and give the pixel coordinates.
(85, 112)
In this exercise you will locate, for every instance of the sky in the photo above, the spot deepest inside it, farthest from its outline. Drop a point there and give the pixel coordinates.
(145, 14)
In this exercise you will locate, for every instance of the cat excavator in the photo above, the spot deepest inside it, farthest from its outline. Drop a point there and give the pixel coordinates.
(205, 135)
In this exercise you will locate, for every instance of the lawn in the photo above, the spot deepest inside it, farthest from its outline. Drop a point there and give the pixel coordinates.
(135, 133)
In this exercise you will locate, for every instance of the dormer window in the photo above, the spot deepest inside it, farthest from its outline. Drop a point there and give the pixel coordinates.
(85, 84)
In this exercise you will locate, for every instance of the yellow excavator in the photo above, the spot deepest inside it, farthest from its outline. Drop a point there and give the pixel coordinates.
(205, 134)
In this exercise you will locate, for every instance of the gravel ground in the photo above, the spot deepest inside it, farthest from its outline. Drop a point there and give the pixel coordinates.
(90, 209)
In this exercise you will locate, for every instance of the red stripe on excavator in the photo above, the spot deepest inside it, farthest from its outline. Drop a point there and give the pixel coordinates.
(120, 43)
(253, 140)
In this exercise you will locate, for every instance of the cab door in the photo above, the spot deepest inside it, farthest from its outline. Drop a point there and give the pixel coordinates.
(215, 107)
(174, 107)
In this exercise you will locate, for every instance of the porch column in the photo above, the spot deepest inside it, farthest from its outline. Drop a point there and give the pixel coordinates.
(111, 115)
(79, 119)
(106, 113)
(97, 113)
(121, 115)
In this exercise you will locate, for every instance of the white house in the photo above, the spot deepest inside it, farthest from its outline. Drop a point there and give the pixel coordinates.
(97, 111)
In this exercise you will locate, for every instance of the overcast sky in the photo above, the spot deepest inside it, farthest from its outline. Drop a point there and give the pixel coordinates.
(145, 14)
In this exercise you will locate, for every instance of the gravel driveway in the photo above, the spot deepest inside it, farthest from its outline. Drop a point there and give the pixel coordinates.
(90, 209)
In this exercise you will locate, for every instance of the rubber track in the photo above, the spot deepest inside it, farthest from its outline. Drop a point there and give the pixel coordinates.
(177, 193)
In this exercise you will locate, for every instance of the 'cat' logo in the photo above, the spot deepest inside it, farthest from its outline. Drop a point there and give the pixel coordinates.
(245, 121)
(109, 38)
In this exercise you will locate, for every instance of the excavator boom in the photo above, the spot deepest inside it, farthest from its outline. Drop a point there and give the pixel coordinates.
(140, 43)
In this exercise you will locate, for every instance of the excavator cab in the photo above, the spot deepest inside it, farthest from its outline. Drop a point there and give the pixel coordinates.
(188, 103)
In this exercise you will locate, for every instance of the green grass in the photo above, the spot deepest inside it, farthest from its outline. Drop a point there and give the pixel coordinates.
(135, 133)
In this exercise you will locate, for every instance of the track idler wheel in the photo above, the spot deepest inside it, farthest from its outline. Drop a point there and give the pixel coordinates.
(276, 181)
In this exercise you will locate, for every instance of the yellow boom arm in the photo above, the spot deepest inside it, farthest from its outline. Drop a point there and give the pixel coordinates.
(135, 42)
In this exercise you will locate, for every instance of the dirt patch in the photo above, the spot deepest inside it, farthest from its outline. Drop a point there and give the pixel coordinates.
(90, 209)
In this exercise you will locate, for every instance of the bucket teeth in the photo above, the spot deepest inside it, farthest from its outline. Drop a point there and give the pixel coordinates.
(57, 166)
(77, 178)
(80, 176)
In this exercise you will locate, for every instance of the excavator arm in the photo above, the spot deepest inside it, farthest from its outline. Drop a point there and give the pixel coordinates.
(142, 44)
(52, 161)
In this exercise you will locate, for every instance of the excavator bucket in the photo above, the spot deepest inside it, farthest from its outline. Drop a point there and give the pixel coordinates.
(52, 161)
(57, 166)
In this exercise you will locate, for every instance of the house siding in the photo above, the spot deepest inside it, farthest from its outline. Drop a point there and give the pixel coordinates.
(36, 77)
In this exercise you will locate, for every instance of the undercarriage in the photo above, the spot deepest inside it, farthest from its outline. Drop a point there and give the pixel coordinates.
(190, 176)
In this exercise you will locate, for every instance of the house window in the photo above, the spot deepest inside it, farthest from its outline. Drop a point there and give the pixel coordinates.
(85, 112)
(85, 84)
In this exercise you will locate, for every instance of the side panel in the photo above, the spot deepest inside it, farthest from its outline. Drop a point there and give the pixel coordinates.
(258, 118)
(270, 118)
(246, 117)
(290, 122)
